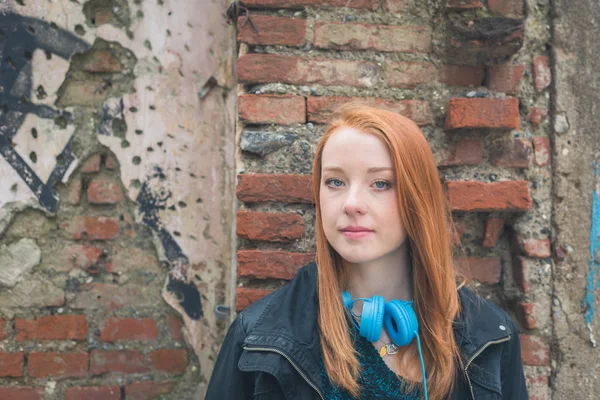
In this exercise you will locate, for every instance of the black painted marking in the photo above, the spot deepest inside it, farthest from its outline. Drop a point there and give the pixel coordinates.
(19, 37)
(150, 204)
(189, 297)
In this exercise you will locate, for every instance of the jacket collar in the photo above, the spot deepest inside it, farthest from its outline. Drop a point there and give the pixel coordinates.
(288, 323)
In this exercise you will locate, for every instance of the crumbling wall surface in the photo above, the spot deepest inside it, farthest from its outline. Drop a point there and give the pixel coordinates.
(576, 205)
(116, 180)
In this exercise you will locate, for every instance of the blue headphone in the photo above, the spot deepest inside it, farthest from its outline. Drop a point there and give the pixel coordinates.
(398, 317)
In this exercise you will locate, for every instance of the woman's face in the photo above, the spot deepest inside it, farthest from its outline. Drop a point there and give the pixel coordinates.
(358, 200)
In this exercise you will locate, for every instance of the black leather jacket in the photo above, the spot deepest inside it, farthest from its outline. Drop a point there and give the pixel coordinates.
(272, 349)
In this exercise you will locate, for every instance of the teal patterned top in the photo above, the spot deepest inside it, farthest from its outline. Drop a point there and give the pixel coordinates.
(376, 379)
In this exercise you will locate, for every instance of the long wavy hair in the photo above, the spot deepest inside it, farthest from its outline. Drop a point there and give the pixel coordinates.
(428, 222)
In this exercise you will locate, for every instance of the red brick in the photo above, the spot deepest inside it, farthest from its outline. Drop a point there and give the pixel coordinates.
(129, 329)
(274, 227)
(259, 264)
(285, 188)
(81, 256)
(73, 195)
(3, 328)
(409, 74)
(92, 164)
(272, 31)
(484, 270)
(319, 109)
(360, 36)
(476, 40)
(493, 230)
(104, 191)
(22, 393)
(93, 228)
(537, 115)
(497, 196)
(507, 8)
(515, 153)
(359, 4)
(175, 328)
(107, 296)
(173, 361)
(534, 351)
(524, 313)
(461, 75)
(272, 109)
(392, 6)
(267, 68)
(11, 364)
(93, 393)
(541, 146)
(542, 75)
(102, 61)
(52, 327)
(538, 248)
(521, 270)
(124, 361)
(501, 113)
(246, 296)
(463, 4)
(505, 77)
(111, 163)
(147, 390)
(463, 152)
(42, 365)
(537, 387)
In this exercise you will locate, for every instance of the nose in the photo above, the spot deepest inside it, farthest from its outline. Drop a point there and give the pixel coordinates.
(354, 202)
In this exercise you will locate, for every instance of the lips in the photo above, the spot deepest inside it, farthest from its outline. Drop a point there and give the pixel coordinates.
(356, 229)
(355, 232)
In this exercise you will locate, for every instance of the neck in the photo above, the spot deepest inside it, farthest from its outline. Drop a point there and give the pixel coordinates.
(389, 276)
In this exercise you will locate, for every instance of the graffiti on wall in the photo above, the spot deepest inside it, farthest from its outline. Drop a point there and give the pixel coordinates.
(594, 262)
(20, 38)
(175, 150)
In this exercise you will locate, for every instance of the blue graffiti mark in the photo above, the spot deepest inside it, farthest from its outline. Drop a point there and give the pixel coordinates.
(596, 165)
(594, 266)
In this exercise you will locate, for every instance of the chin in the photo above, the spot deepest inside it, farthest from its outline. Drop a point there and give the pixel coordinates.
(356, 256)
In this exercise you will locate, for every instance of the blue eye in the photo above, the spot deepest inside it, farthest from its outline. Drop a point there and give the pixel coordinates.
(328, 182)
(386, 185)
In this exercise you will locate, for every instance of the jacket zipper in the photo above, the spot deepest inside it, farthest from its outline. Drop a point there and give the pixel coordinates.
(485, 346)
(291, 362)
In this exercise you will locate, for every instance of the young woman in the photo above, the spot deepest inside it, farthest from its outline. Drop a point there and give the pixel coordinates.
(382, 313)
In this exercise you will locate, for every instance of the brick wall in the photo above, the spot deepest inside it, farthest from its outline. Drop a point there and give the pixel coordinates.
(99, 322)
(481, 100)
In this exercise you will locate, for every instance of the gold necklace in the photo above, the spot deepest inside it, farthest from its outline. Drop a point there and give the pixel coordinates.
(388, 349)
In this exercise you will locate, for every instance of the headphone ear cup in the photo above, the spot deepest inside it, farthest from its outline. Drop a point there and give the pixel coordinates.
(400, 322)
(371, 320)
(347, 300)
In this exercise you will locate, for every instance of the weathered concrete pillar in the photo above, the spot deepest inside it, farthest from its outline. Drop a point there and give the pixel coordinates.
(576, 207)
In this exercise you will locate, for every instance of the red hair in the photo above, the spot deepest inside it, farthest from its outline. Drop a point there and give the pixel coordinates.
(428, 221)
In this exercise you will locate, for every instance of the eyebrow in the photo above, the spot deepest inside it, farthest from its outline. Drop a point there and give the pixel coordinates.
(372, 169)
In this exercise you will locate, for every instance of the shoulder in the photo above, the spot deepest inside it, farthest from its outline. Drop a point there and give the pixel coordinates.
(489, 338)
(302, 286)
(480, 321)
(476, 308)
